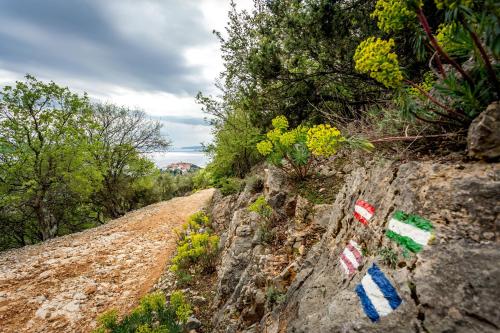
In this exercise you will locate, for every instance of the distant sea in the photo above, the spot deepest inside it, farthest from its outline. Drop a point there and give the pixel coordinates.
(192, 155)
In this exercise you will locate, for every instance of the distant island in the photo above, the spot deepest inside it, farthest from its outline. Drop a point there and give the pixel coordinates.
(189, 148)
(181, 168)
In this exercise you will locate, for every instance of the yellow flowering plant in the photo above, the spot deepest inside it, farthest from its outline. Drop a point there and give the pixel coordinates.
(153, 315)
(393, 15)
(375, 57)
(280, 122)
(197, 250)
(295, 150)
(323, 140)
(197, 246)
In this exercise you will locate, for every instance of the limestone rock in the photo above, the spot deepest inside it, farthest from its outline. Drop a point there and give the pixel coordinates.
(221, 210)
(192, 324)
(275, 181)
(483, 139)
(321, 214)
(302, 209)
(450, 286)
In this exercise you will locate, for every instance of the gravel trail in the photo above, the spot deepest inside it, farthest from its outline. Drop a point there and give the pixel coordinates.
(62, 285)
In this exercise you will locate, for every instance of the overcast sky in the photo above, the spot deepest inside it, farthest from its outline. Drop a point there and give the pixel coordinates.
(151, 54)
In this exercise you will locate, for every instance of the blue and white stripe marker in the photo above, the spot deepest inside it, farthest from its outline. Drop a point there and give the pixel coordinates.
(377, 295)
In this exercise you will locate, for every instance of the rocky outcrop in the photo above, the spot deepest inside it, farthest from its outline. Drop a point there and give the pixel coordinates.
(483, 139)
(450, 286)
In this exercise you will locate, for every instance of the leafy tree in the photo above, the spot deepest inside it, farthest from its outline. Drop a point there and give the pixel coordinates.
(295, 58)
(66, 165)
(121, 137)
(46, 173)
(233, 151)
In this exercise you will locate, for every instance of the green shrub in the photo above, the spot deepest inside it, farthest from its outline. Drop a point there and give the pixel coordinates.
(197, 250)
(183, 278)
(194, 224)
(203, 178)
(109, 319)
(233, 150)
(181, 307)
(147, 329)
(230, 186)
(153, 315)
(198, 220)
(265, 233)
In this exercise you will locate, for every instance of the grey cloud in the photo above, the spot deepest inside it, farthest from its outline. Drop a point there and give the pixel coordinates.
(79, 39)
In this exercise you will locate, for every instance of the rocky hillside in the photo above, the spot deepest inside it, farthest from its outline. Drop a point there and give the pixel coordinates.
(296, 282)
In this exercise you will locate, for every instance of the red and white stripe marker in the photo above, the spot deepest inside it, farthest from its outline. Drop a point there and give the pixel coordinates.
(363, 211)
(351, 258)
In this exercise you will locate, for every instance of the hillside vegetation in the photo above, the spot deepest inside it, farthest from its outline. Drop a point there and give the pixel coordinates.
(387, 71)
(67, 164)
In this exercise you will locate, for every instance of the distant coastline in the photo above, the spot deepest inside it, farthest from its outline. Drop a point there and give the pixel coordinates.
(189, 148)
(192, 154)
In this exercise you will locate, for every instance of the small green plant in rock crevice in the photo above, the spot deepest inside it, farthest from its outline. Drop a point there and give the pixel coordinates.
(274, 297)
(265, 211)
(183, 278)
(389, 257)
(153, 315)
(261, 207)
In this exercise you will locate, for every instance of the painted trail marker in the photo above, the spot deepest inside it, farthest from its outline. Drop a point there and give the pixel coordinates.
(377, 295)
(363, 211)
(351, 258)
(411, 231)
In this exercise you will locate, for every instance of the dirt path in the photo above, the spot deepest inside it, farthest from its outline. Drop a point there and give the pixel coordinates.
(62, 285)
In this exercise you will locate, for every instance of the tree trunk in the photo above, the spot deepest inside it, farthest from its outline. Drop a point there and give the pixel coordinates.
(46, 223)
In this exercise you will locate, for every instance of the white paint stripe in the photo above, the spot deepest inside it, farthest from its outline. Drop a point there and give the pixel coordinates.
(344, 266)
(376, 296)
(350, 256)
(363, 212)
(420, 236)
(355, 245)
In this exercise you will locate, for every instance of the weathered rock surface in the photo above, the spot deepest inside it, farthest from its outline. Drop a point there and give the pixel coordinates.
(450, 286)
(483, 139)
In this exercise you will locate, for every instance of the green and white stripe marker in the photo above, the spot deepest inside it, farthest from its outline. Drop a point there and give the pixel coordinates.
(411, 231)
